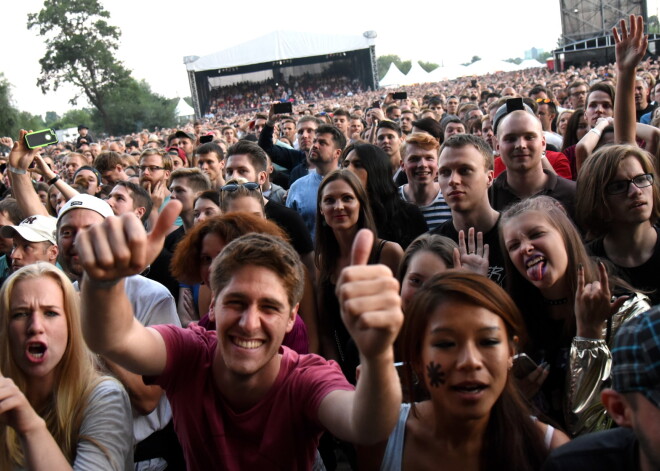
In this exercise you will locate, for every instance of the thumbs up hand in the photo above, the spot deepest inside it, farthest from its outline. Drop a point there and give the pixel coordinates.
(119, 246)
(369, 300)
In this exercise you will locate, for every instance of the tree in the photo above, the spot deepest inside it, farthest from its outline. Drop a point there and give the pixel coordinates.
(80, 48)
(428, 66)
(384, 62)
(474, 59)
(51, 117)
(8, 114)
(133, 107)
(72, 119)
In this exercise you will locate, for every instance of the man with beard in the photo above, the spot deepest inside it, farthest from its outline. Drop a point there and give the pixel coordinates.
(324, 154)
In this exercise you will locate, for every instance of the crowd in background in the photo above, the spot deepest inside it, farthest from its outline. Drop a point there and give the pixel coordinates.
(485, 249)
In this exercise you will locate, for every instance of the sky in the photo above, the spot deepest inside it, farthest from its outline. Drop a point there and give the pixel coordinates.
(157, 35)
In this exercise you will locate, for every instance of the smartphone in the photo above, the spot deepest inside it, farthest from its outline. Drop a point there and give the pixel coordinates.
(474, 82)
(523, 365)
(42, 138)
(400, 95)
(375, 104)
(205, 139)
(283, 108)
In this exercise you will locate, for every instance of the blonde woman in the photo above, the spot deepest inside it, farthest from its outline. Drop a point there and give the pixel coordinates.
(56, 411)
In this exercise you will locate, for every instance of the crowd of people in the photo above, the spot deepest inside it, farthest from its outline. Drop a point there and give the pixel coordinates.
(464, 278)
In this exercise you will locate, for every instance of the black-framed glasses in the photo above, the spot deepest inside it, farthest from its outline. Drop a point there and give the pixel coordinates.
(151, 168)
(231, 187)
(621, 186)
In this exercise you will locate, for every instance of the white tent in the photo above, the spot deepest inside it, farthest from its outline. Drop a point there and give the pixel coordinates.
(279, 45)
(530, 64)
(417, 75)
(482, 67)
(393, 78)
(183, 109)
(447, 73)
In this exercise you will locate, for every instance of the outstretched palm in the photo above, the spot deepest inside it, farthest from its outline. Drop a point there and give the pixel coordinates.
(630, 44)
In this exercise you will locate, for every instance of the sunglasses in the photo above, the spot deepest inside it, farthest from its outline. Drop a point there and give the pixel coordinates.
(231, 187)
(543, 100)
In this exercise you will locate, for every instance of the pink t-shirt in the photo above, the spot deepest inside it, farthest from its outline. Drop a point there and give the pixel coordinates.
(281, 431)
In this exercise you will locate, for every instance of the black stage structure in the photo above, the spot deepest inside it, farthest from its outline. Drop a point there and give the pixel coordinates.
(587, 30)
(282, 55)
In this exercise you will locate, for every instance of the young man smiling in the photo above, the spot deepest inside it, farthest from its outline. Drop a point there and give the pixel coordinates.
(259, 405)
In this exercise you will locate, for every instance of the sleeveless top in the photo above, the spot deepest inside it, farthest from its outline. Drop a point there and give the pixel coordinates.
(349, 356)
(394, 450)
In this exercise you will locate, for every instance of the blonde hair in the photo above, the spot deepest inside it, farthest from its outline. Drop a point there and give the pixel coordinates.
(75, 377)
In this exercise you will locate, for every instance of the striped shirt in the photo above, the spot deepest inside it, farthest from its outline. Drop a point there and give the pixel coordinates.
(435, 213)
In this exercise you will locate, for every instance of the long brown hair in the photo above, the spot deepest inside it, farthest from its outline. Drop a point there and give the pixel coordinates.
(327, 247)
(511, 436)
(592, 206)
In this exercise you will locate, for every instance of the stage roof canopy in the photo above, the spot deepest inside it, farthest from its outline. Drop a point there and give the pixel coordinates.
(280, 46)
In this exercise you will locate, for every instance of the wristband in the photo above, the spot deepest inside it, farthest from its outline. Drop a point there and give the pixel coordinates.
(53, 180)
(596, 132)
(17, 171)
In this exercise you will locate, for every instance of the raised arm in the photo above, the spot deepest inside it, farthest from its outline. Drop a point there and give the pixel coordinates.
(630, 49)
(20, 159)
(371, 310)
(589, 141)
(109, 252)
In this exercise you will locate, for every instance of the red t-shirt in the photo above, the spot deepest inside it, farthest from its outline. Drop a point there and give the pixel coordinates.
(281, 431)
(558, 161)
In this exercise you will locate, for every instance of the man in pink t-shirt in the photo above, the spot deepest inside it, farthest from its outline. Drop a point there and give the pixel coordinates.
(240, 400)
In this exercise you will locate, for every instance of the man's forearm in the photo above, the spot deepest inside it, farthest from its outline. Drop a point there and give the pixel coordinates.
(377, 399)
(107, 315)
(23, 191)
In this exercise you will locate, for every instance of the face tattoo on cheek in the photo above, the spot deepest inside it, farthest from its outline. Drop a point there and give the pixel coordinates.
(435, 374)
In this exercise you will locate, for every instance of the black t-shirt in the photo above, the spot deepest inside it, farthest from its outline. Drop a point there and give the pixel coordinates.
(496, 260)
(501, 196)
(292, 223)
(644, 277)
(611, 450)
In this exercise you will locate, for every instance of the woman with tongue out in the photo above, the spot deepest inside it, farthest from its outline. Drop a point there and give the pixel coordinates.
(569, 311)
(56, 411)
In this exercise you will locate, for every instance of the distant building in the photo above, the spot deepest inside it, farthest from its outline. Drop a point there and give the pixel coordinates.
(533, 53)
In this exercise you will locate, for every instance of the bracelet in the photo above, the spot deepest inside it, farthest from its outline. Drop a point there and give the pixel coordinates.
(596, 132)
(53, 180)
(17, 171)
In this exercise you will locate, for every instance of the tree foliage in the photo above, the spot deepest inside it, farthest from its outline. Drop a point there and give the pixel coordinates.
(133, 107)
(8, 114)
(11, 119)
(428, 66)
(80, 48)
(71, 119)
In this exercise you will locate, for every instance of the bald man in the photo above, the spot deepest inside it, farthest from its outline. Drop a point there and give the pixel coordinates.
(521, 144)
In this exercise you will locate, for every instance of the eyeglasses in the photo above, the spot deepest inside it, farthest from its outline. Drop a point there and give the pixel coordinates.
(151, 168)
(543, 100)
(232, 187)
(621, 186)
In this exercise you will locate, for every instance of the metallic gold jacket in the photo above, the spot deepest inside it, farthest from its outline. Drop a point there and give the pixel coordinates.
(589, 371)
